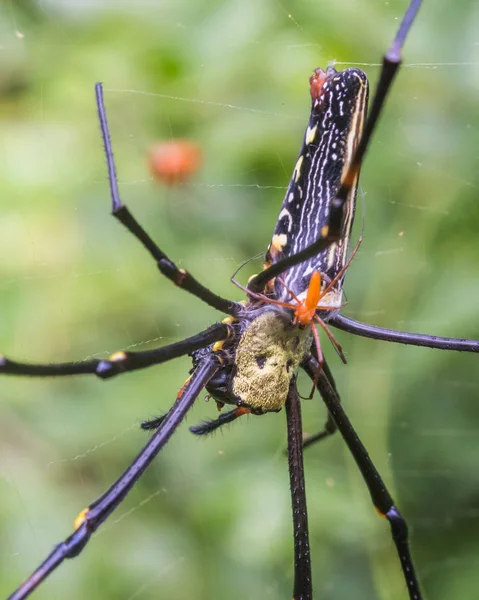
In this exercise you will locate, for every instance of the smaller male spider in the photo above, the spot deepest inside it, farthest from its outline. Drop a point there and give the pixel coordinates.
(250, 359)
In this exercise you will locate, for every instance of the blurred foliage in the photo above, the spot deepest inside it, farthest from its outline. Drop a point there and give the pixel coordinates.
(211, 518)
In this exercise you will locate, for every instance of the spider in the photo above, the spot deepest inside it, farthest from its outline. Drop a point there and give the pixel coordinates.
(250, 359)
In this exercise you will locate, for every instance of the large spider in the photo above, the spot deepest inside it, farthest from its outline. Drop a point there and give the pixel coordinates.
(250, 360)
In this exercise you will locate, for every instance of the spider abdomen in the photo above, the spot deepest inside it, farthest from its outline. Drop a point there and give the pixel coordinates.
(339, 104)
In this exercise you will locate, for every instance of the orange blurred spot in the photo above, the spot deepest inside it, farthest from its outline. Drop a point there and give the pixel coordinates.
(175, 161)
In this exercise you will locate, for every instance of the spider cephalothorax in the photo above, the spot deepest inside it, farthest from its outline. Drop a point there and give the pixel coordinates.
(258, 359)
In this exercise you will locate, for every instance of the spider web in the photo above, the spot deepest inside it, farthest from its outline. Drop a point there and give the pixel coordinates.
(211, 519)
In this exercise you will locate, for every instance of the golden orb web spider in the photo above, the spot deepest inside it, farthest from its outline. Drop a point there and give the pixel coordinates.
(263, 426)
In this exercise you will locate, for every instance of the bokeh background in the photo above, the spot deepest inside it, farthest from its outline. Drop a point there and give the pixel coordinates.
(211, 518)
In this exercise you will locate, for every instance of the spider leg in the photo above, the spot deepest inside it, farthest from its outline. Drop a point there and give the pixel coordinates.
(320, 356)
(330, 426)
(403, 337)
(205, 427)
(93, 516)
(345, 267)
(208, 426)
(329, 429)
(119, 362)
(302, 559)
(332, 233)
(317, 344)
(380, 495)
(261, 297)
(167, 267)
(153, 424)
(332, 339)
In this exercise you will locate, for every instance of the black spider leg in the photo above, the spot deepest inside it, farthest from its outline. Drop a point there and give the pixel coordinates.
(205, 427)
(210, 425)
(119, 362)
(179, 277)
(391, 63)
(302, 558)
(93, 516)
(402, 337)
(330, 426)
(380, 496)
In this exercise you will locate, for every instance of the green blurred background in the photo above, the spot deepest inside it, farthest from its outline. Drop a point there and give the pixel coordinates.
(211, 518)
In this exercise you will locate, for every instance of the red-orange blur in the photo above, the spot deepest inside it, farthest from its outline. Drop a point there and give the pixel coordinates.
(175, 161)
(316, 83)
